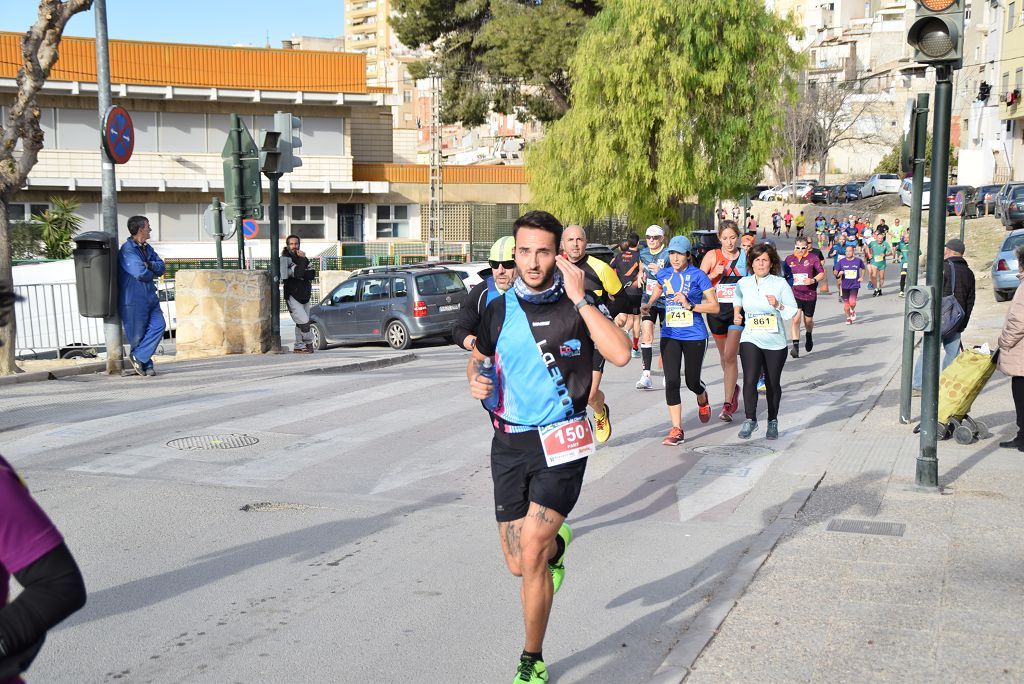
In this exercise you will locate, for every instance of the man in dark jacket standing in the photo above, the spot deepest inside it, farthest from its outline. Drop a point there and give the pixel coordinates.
(957, 280)
(298, 288)
(138, 303)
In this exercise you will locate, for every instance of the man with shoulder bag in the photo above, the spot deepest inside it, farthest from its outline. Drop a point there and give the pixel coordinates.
(298, 289)
(957, 305)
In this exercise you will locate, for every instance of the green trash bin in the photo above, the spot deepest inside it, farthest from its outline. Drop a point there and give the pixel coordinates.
(96, 257)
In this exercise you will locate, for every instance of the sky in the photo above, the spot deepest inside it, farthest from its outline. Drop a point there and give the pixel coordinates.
(211, 22)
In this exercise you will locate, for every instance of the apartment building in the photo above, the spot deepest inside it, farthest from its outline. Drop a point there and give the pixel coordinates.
(348, 189)
(1010, 88)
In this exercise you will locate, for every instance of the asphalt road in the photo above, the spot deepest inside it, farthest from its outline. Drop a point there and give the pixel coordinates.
(354, 540)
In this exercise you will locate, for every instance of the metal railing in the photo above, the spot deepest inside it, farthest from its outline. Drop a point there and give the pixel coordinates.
(48, 321)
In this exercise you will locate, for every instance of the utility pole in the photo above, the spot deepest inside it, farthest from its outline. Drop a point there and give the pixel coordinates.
(937, 37)
(239, 181)
(918, 144)
(111, 324)
(927, 459)
(435, 214)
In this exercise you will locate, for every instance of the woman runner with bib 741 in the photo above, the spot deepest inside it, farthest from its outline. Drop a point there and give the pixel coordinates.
(684, 336)
(766, 301)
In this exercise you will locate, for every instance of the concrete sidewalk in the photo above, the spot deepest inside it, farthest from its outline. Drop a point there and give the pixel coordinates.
(934, 592)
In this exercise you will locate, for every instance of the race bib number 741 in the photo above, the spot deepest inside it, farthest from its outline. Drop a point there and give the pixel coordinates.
(567, 441)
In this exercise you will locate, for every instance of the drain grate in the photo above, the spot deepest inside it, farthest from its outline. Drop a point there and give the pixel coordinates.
(889, 529)
(232, 441)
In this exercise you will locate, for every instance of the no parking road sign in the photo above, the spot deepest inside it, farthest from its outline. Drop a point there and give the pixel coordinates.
(118, 134)
(958, 203)
(250, 228)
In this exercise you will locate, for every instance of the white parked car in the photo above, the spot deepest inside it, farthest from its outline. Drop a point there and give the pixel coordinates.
(907, 192)
(881, 183)
(769, 194)
(470, 273)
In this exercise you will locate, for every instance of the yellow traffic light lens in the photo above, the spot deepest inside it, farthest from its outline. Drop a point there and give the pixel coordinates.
(937, 5)
(934, 39)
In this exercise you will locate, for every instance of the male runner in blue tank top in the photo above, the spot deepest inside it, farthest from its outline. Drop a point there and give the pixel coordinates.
(541, 336)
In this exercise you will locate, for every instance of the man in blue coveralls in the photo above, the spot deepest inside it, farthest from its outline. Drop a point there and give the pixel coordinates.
(137, 302)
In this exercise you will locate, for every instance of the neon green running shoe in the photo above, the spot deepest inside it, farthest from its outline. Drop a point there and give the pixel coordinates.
(531, 671)
(557, 567)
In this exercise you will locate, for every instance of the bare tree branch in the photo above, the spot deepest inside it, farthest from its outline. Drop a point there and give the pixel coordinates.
(39, 54)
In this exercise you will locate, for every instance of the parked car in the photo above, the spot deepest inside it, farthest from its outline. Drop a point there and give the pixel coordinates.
(970, 200)
(757, 190)
(1002, 197)
(881, 183)
(987, 199)
(850, 192)
(769, 194)
(703, 241)
(397, 305)
(1005, 267)
(471, 273)
(907, 192)
(602, 252)
(798, 192)
(820, 194)
(1013, 208)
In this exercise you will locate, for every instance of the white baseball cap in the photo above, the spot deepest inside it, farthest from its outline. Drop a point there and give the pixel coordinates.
(655, 230)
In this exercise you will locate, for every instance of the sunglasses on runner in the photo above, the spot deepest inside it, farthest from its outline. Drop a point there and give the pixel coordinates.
(654, 237)
(507, 265)
(799, 249)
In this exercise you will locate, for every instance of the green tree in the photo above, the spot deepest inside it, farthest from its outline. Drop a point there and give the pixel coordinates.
(890, 163)
(59, 225)
(26, 240)
(672, 101)
(506, 55)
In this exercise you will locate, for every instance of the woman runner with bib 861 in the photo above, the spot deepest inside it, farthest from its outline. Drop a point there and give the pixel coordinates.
(688, 293)
(766, 301)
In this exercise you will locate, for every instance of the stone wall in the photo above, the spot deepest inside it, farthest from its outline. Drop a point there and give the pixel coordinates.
(222, 312)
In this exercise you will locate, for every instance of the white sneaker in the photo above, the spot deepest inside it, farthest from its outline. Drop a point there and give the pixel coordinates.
(645, 383)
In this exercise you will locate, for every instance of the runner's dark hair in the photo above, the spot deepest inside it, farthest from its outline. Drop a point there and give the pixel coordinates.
(728, 224)
(135, 224)
(541, 220)
(633, 239)
(773, 256)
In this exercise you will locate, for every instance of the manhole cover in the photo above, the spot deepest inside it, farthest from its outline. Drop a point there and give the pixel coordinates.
(889, 529)
(734, 450)
(233, 441)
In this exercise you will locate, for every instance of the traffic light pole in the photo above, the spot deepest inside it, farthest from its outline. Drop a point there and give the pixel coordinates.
(108, 188)
(918, 147)
(927, 459)
(275, 264)
(239, 212)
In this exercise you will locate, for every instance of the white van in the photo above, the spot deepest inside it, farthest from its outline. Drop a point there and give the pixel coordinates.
(48, 322)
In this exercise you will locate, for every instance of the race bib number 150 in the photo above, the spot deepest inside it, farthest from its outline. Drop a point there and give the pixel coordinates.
(567, 441)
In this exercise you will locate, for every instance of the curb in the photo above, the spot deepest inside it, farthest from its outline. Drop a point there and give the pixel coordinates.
(90, 368)
(680, 659)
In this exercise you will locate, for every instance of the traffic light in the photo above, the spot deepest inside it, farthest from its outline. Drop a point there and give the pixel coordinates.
(920, 313)
(243, 190)
(984, 90)
(270, 152)
(937, 33)
(291, 140)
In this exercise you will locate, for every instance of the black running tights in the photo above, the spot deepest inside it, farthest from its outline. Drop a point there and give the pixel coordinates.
(756, 361)
(677, 355)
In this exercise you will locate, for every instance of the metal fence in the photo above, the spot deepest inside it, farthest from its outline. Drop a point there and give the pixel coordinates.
(48, 320)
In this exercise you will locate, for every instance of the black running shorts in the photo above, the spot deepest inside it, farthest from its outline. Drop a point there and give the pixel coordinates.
(598, 365)
(631, 303)
(807, 306)
(656, 315)
(521, 476)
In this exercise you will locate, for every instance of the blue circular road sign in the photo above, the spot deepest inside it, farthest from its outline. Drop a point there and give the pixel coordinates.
(958, 203)
(118, 134)
(250, 228)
